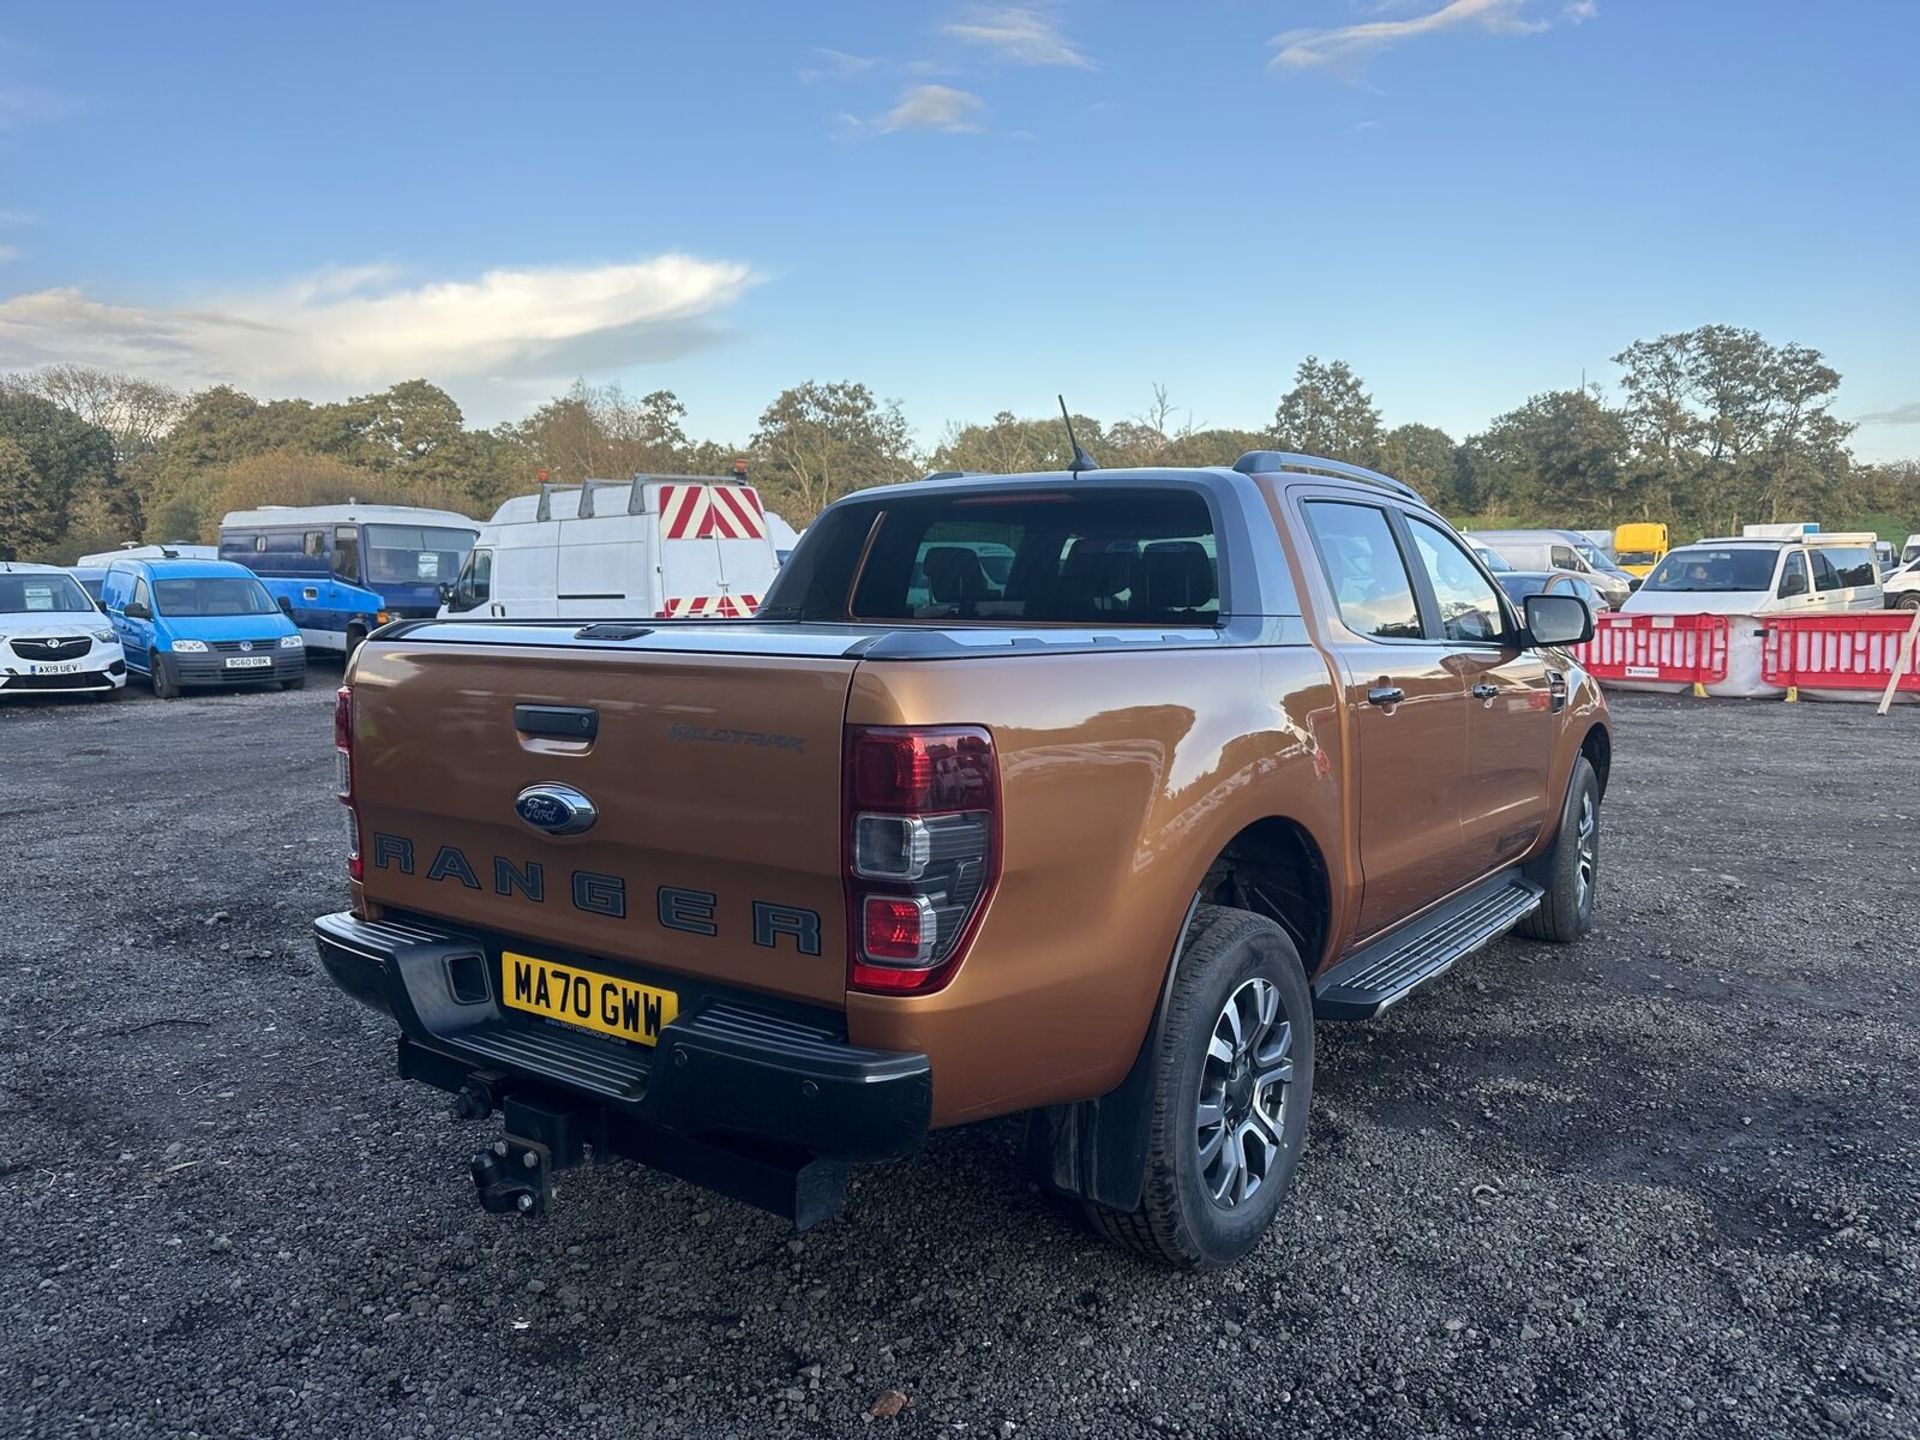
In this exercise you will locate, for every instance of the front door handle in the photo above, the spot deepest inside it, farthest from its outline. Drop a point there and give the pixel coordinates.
(1384, 695)
(1484, 691)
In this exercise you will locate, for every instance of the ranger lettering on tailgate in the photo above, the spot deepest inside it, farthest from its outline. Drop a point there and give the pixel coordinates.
(691, 912)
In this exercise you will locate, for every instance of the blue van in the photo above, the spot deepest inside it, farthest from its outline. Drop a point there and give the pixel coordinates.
(188, 623)
(331, 554)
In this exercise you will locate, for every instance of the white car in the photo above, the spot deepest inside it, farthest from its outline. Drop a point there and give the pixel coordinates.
(53, 640)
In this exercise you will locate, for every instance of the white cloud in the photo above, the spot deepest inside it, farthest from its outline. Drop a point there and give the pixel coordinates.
(1580, 11)
(935, 107)
(1908, 414)
(1023, 36)
(837, 65)
(1345, 46)
(357, 328)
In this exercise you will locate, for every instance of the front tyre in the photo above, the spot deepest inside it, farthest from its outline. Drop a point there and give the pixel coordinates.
(164, 687)
(1908, 601)
(1572, 873)
(1233, 1078)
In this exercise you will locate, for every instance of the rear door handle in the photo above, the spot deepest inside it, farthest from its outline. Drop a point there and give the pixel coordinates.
(1385, 695)
(1484, 691)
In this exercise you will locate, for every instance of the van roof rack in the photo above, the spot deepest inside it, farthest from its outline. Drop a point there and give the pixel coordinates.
(1265, 462)
(636, 489)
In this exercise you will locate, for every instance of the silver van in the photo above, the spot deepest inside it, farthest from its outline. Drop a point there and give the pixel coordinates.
(1558, 550)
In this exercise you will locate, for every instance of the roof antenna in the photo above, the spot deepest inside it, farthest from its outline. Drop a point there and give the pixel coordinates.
(1081, 460)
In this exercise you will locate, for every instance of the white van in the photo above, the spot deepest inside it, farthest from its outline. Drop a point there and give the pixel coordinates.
(653, 547)
(1751, 575)
(1558, 550)
(1910, 552)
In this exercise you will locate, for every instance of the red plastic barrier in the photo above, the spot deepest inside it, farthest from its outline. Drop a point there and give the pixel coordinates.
(1671, 649)
(1837, 652)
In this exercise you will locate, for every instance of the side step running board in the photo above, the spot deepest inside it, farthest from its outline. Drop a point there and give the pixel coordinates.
(1387, 971)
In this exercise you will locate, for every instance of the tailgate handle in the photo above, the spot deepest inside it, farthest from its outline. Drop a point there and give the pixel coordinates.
(561, 722)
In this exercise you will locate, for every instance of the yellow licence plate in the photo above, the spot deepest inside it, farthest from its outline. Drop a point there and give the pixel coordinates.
(586, 998)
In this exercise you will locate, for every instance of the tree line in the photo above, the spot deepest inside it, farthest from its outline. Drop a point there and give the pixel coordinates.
(1711, 428)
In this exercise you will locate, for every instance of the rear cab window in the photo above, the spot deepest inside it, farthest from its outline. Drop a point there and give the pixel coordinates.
(1085, 556)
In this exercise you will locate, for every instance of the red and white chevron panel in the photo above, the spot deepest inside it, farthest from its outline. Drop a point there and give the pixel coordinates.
(708, 607)
(711, 512)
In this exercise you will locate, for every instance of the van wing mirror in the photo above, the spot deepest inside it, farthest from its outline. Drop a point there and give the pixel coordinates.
(1558, 620)
(445, 590)
(286, 606)
(1792, 585)
(136, 611)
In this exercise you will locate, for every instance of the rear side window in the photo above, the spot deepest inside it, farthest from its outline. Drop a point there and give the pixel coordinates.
(1855, 567)
(1086, 557)
(1365, 570)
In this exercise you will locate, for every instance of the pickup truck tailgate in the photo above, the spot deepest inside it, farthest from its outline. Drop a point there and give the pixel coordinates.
(715, 777)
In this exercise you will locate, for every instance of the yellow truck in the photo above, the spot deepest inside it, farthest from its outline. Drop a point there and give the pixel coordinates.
(1640, 546)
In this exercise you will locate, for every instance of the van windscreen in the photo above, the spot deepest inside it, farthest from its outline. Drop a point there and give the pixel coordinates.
(1078, 557)
(212, 595)
(1735, 568)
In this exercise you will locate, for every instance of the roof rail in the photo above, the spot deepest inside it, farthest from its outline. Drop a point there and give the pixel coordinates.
(1265, 462)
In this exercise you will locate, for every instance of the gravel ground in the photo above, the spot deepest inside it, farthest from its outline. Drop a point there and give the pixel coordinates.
(1666, 1182)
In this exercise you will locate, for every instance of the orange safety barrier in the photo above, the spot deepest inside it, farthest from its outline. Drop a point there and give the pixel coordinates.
(1670, 649)
(1855, 651)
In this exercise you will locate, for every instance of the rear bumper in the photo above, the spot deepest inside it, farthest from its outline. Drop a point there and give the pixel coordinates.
(728, 1066)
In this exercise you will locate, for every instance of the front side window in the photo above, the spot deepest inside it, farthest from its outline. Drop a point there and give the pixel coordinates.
(315, 543)
(213, 595)
(140, 595)
(346, 554)
(1365, 569)
(475, 583)
(1793, 576)
(1563, 558)
(1469, 606)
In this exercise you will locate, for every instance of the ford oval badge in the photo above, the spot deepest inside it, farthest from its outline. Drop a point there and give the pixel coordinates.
(556, 809)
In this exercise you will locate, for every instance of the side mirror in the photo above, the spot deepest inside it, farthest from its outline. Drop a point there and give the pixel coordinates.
(286, 607)
(1793, 585)
(446, 592)
(136, 611)
(1558, 620)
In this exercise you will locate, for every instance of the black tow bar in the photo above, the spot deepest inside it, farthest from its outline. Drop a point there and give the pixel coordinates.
(514, 1176)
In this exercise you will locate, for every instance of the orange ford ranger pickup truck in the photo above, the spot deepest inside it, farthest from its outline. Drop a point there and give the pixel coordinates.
(1084, 796)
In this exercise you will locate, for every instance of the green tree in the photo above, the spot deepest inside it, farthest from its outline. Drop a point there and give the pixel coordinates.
(1558, 458)
(1328, 413)
(1423, 456)
(29, 512)
(1007, 445)
(58, 460)
(816, 442)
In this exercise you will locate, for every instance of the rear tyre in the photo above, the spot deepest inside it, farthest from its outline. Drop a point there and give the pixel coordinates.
(163, 686)
(354, 637)
(1572, 875)
(1233, 1078)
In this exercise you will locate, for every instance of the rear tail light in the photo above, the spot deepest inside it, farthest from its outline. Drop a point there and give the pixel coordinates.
(923, 838)
(343, 775)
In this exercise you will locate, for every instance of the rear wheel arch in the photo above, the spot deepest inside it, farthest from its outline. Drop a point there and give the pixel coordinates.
(1097, 1149)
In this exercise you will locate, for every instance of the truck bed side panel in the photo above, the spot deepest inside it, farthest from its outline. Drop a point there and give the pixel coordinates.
(1115, 806)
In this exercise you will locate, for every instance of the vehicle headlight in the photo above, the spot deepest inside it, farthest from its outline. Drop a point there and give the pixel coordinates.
(190, 647)
(105, 637)
(291, 642)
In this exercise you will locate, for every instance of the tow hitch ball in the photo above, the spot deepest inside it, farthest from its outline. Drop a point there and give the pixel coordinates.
(514, 1175)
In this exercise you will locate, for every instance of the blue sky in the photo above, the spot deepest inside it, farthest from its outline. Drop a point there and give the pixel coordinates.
(967, 207)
